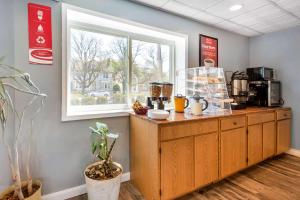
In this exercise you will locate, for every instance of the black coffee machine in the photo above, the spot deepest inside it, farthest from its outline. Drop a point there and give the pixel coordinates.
(264, 90)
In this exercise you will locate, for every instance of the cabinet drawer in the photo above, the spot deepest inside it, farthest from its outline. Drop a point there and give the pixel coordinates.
(170, 132)
(283, 114)
(232, 122)
(260, 118)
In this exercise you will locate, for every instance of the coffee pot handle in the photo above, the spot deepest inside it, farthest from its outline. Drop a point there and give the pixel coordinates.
(187, 103)
(206, 105)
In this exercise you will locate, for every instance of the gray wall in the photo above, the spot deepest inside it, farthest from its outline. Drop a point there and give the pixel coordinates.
(281, 50)
(63, 147)
(6, 50)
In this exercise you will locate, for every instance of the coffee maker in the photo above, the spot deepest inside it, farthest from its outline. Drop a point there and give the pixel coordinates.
(239, 90)
(263, 89)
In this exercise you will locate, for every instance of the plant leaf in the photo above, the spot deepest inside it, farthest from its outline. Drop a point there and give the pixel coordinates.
(94, 130)
(113, 135)
(100, 157)
(94, 147)
(101, 126)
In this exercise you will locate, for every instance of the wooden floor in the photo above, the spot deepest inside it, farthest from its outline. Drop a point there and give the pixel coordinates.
(276, 179)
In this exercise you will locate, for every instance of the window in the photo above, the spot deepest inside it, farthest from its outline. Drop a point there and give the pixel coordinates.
(150, 62)
(108, 63)
(93, 56)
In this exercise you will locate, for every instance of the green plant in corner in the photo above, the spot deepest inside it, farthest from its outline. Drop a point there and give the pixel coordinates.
(101, 149)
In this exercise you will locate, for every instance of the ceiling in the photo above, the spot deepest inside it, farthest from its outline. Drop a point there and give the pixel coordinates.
(256, 17)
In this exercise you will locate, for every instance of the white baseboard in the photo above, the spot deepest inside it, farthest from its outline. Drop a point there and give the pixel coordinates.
(294, 152)
(76, 191)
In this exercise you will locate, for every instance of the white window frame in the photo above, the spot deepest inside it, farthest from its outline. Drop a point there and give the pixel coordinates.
(94, 111)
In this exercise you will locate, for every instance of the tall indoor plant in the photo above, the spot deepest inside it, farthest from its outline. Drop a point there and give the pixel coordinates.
(14, 81)
(103, 178)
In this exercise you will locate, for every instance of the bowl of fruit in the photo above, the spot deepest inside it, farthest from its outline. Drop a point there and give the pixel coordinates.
(139, 109)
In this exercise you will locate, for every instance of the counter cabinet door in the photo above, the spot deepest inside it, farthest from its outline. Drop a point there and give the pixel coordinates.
(283, 135)
(255, 144)
(269, 139)
(177, 167)
(206, 159)
(233, 151)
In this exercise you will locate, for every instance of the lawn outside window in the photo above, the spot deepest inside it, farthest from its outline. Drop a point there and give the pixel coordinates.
(108, 63)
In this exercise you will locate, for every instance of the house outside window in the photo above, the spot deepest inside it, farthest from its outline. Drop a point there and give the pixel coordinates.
(107, 67)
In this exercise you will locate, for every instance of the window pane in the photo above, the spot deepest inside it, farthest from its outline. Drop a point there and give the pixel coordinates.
(98, 69)
(151, 63)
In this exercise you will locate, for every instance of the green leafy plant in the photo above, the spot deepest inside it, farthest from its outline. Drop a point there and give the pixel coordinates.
(116, 88)
(101, 100)
(118, 98)
(101, 149)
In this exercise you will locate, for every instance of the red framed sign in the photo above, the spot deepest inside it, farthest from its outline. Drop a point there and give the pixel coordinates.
(208, 49)
(40, 34)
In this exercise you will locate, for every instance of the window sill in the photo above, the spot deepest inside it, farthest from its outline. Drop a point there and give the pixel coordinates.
(96, 115)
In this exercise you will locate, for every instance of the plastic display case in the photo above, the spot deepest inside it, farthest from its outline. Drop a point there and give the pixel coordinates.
(208, 82)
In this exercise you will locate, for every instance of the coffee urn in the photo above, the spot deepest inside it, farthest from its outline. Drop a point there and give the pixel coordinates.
(239, 89)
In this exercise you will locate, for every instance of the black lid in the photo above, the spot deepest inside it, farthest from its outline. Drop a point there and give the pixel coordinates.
(167, 83)
(179, 96)
(154, 83)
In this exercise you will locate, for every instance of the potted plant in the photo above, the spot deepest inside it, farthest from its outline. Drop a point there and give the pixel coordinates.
(12, 80)
(103, 178)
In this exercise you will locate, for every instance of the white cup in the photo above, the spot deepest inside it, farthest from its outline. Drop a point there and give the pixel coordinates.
(209, 62)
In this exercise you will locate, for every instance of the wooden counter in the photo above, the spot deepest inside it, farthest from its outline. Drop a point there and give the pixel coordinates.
(180, 117)
(170, 158)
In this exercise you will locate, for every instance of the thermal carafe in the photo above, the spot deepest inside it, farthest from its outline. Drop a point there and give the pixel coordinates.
(239, 83)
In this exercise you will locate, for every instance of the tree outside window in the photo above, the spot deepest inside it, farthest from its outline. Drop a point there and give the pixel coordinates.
(99, 68)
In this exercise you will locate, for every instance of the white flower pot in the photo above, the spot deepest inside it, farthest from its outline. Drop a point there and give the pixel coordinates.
(103, 189)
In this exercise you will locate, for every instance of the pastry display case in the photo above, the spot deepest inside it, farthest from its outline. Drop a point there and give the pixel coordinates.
(207, 82)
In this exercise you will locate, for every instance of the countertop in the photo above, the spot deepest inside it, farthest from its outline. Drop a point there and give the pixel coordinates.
(182, 117)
